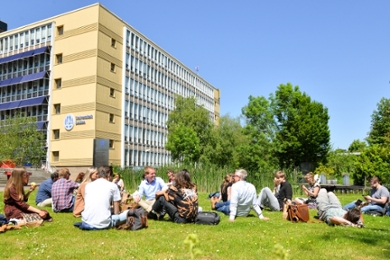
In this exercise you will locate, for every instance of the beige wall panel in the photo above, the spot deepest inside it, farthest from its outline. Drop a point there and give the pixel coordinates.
(104, 70)
(103, 97)
(74, 95)
(78, 18)
(79, 148)
(111, 22)
(77, 43)
(103, 124)
(57, 122)
(76, 69)
(105, 44)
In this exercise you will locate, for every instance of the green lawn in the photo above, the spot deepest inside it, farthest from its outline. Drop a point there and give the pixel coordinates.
(247, 238)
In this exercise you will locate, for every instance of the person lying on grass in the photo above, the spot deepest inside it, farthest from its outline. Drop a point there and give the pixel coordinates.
(330, 211)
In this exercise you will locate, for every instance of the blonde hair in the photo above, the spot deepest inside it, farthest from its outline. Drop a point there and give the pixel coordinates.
(15, 180)
(88, 174)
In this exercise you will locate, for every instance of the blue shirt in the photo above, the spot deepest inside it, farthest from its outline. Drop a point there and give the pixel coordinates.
(149, 189)
(44, 191)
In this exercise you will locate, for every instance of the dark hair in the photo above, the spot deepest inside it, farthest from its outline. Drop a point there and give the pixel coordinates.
(54, 175)
(183, 180)
(104, 171)
(353, 215)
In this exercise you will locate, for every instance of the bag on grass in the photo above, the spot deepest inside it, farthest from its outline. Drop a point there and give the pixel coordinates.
(207, 218)
(31, 219)
(298, 213)
(137, 218)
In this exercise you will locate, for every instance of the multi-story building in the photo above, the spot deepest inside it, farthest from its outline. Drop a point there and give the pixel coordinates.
(87, 75)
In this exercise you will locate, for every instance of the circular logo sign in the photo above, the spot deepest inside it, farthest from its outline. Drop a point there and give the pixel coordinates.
(69, 122)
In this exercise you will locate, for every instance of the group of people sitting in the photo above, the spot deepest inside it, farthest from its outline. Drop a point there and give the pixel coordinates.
(96, 199)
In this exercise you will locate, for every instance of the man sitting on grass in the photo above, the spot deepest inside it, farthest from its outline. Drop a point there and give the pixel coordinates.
(99, 195)
(330, 211)
(243, 196)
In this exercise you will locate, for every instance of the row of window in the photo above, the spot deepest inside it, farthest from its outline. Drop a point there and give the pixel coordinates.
(40, 112)
(145, 114)
(25, 38)
(144, 158)
(141, 46)
(25, 90)
(24, 67)
(140, 135)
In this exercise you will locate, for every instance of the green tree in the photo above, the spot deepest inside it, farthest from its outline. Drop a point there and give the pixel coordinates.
(380, 123)
(373, 161)
(188, 116)
(257, 153)
(21, 141)
(302, 127)
(357, 146)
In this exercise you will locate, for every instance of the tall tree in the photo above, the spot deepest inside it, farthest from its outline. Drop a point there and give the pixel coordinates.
(21, 141)
(258, 153)
(188, 120)
(302, 127)
(380, 123)
(357, 146)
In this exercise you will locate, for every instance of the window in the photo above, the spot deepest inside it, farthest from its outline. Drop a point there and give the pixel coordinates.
(112, 118)
(111, 143)
(113, 42)
(56, 156)
(57, 109)
(112, 67)
(58, 83)
(60, 30)
(56, 134)
(112, 92)
(59, 58)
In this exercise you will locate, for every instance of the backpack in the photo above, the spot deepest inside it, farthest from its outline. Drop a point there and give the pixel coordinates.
(207, 218)
(137, 218)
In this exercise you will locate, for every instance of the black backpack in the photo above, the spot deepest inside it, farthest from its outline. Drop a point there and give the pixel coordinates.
(207, 218)
(137, 218)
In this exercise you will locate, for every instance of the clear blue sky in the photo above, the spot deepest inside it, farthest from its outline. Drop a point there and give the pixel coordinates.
(335, 51)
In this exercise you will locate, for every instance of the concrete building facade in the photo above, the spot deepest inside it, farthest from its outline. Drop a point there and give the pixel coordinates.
(88, 75)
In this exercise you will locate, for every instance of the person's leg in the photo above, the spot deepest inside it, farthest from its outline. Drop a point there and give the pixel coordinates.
(117, 220)
(372, 208)
(267, 198)
(146, 204)
(349, 206)
(333, 200)
(224, 207)
(45, 203)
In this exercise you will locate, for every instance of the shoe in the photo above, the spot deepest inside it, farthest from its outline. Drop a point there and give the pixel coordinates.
(213, 201)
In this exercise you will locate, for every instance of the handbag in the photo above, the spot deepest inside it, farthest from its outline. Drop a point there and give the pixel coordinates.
(298, 213)
(137, 218)
(207, 218)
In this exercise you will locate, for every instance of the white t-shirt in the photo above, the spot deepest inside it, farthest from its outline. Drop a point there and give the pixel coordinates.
(243, 196)
(99, 195)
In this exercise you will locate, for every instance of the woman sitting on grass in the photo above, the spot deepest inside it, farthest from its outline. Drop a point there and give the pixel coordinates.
(119, 182)
(79, 204)
(311, 191)
(180, 200)
(222, 203)
(15, 198)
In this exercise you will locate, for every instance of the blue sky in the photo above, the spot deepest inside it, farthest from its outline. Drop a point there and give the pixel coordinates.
(335, 51)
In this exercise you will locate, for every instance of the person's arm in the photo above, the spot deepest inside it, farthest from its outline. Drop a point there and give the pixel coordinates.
(41, 213)
(32, 188)
(382, 200)
(233, 204)
(116, 207)
(342, 221)
(315, 192)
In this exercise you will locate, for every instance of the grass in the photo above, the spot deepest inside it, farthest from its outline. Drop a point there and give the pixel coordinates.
(247, 238)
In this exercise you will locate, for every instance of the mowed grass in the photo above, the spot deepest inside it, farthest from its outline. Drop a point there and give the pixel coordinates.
(247, 238)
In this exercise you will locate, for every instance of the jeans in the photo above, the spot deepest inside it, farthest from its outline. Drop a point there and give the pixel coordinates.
(223, 207)
(327, 200)
(369, 207)
(117, 220)
(161, 204)
(267, 199)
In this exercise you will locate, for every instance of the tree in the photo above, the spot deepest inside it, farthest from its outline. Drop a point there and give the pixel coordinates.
(21, 141)
(357, 146)
(188, 116)
(302, 127)
(380, 123)
(257, 154)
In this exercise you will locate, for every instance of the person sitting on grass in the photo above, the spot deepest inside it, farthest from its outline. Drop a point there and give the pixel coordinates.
(180, 200)
(15, 199)
(376, 201)
(119, 182)
(243, 196)
(92, 175)
(311, 191)
(43, 198)
(99, 195)
(62, 192)
(330, 211)
(79, 179)
(276, 201)
(149, 187)
(222, 202)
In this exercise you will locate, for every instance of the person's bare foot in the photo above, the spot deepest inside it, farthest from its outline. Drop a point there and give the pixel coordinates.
(264, 218)
(213, 200)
